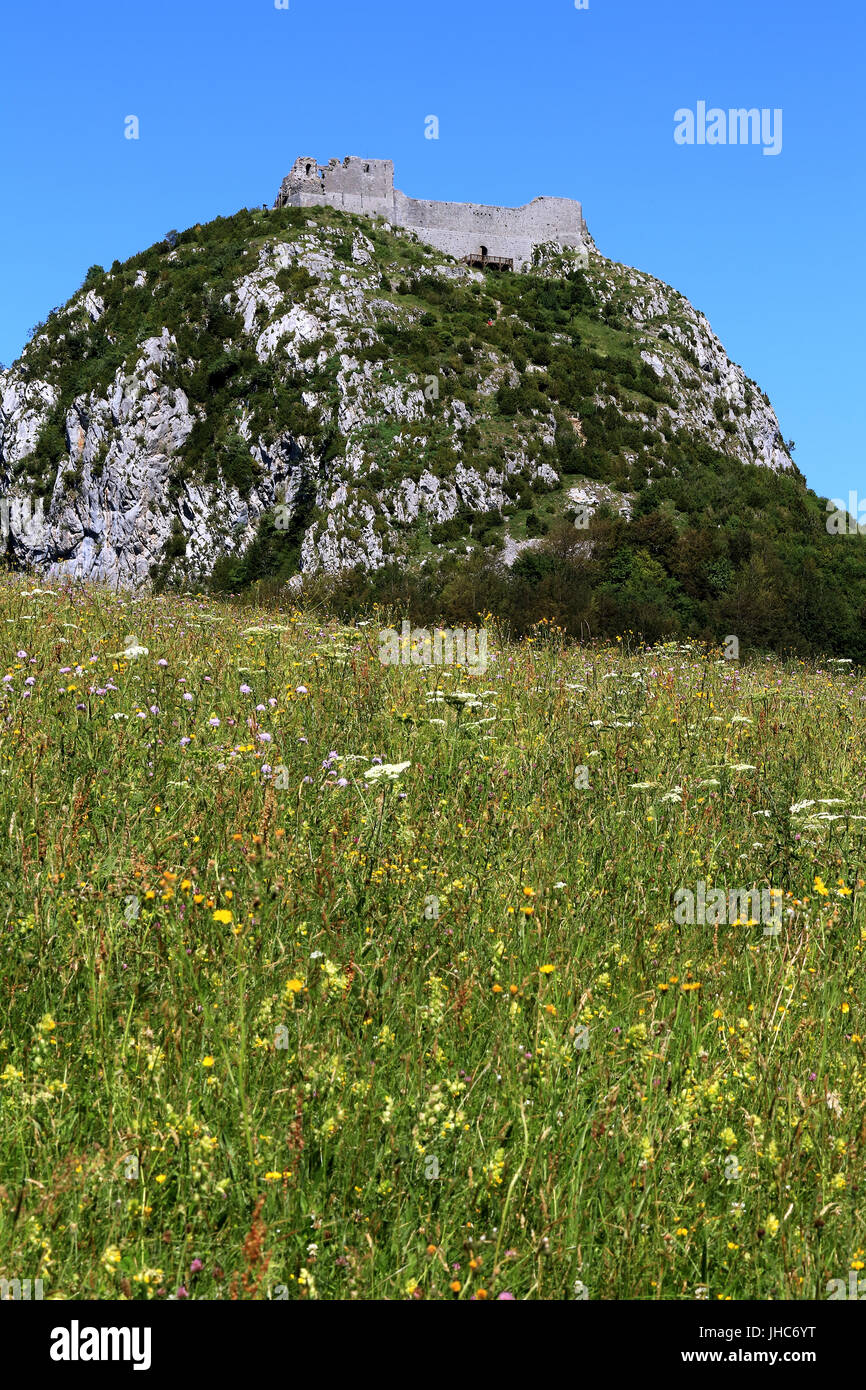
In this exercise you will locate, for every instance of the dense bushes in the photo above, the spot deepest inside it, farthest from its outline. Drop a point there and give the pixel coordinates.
(771, 575)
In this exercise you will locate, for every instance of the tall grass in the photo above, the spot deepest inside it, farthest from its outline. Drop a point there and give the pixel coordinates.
(274, 1028)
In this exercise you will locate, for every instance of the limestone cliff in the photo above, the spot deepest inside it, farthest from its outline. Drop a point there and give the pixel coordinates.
(333, 385)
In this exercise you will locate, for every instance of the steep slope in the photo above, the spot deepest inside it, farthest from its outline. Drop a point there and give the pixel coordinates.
(315, 391)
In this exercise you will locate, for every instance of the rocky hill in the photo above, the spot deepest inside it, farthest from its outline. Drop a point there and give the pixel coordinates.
(308, 390)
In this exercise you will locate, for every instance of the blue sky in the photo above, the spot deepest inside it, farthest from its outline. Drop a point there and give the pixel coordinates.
(534, 97)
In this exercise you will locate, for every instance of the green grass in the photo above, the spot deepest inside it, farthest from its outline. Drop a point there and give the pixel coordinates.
(328, 1039)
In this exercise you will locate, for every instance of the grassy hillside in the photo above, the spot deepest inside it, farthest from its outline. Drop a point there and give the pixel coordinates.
(275, 1020)
(408, 421)
(422, 324)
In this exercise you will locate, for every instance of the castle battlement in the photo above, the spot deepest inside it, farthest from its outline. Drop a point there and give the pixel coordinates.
(472, 232)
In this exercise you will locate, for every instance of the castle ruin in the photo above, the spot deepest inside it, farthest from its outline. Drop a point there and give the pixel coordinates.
(502, 238)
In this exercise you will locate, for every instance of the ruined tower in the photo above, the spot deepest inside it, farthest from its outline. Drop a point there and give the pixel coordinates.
(472, 232)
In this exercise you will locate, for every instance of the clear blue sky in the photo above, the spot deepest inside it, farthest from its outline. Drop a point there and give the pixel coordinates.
(533, 96)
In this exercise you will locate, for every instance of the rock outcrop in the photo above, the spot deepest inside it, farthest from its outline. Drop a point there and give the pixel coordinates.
(319, 411)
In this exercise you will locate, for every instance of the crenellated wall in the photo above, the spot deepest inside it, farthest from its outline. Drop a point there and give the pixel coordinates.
(459, 229)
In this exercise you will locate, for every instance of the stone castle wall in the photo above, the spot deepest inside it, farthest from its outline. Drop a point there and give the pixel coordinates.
(459, 229)
(357, 185)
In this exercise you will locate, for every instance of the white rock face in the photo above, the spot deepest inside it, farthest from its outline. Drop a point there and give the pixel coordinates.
(119, 495)
(94, 307)
(665, 315)
(24, 408)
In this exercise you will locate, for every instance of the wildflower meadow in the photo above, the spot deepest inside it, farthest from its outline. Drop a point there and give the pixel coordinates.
(329, 977)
